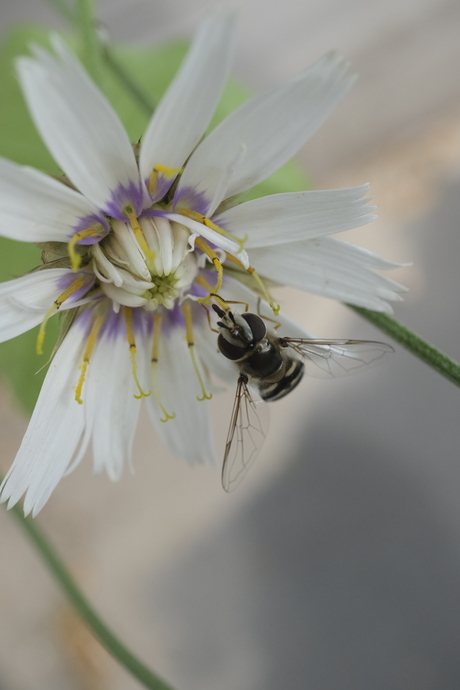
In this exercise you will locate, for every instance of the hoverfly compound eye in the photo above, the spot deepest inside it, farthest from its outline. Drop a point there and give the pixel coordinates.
(257, 326)
(230, 350)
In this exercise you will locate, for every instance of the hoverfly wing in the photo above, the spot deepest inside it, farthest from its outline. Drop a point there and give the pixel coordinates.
(335, 358)
(246, 435)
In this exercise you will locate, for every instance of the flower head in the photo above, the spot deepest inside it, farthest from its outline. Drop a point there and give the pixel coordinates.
(137, 243)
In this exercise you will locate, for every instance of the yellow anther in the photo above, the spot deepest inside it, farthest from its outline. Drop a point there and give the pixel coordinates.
(87, 356)
(169, 173)
(191, 346)
(132, 351)
(155, 348)
(212, 226)
(258, 279)
(139, 233)
(75, 258)
(201, 244)
(76, 285)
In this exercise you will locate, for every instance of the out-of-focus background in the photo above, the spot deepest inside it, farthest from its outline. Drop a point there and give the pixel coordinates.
(336, 565)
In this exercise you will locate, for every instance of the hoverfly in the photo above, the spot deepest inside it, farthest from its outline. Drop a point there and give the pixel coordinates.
(274, 366)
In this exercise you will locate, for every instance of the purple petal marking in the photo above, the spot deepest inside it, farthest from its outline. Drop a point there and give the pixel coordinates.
(142, 322)
(85, 319)
(172, 318)
(198, 290)
(131, 194)
(189, 198)
(162, 187)
(87, 222)
(115, 324)
(155, 213)
(66, 281)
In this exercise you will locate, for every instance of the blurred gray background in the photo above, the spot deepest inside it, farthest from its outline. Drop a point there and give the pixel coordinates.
(336, 565)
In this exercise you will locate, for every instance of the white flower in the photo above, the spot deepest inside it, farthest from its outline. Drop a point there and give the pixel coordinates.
(140, 242)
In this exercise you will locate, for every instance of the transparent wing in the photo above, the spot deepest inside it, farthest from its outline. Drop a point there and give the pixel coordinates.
(248, 428)
(335, 358)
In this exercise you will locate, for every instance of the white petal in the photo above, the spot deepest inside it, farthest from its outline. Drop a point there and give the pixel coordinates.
(36, 208)
(108, 398)
(110, 273)
(24, 301)
(185, 111)
(78, 125)
(297, 216)
(54, 431)
(122, 296)
(273, 126)
(224, 243)
(130, 248)
(330, 268)
(239, 292)
(188, 435)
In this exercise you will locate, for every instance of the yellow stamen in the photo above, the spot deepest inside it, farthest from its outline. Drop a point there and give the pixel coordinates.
(87, 356)
(149, 253)
(212, 226)
(132, 351)
(169, 173)
(258, 279)
(201, 244)
(207, 286)
(75, 258)
(191, 346)
(155, 348)
(56, 306)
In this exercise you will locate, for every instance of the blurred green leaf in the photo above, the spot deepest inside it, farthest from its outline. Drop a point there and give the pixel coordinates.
(151, 70)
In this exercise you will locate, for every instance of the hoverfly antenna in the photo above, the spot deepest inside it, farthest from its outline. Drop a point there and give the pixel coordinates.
(220, 312)
(232, 317)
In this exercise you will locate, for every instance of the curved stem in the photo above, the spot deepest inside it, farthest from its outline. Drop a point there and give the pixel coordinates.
(97, 50)
(92, 55)
(108, 639)
(127, 82)
(63, 8)
(414, 343)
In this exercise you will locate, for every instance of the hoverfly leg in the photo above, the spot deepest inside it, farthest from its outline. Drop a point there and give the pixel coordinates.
(267, 318)
(229, 301)
(208, 316)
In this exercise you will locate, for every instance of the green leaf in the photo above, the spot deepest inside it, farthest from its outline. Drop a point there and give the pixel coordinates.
(151, 70)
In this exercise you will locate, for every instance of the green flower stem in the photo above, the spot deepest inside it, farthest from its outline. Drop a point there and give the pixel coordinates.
(125, 80)
(92, 48)
(412, 342)
(112, 644)
(96, 51)
(63, 8)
